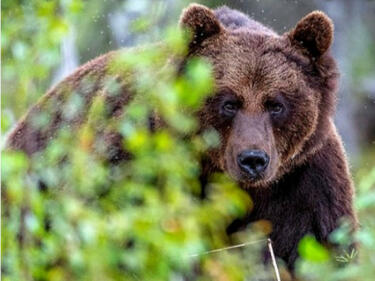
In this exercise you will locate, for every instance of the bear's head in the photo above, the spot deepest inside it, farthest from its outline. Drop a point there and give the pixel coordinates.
(275, 94)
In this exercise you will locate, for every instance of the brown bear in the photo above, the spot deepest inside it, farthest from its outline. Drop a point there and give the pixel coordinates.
(273, 109)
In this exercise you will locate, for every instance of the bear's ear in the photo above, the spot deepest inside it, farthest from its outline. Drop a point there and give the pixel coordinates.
(201, 22)
(314, 33)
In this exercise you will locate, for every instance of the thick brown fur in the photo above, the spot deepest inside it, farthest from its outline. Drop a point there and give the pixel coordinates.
(306, 187)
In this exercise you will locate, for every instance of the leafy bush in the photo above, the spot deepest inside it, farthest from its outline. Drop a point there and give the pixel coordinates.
(69, 214)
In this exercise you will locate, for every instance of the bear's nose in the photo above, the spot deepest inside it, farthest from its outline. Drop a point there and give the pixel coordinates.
(253, 162)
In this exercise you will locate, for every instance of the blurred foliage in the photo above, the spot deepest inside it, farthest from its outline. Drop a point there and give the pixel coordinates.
(69, 215)
(30, 38)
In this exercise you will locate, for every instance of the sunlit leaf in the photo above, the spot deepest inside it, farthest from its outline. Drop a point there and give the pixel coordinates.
(312, 250)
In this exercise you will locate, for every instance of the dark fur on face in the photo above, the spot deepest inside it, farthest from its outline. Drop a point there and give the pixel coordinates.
(277, 85)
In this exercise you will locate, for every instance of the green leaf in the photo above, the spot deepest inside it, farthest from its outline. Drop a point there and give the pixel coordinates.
(312, 250)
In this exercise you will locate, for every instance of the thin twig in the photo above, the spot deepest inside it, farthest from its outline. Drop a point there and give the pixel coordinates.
(269, 242)
(228, 248)
(270, 248)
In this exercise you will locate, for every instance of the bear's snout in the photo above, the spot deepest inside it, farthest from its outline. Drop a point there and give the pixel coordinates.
(253, 162)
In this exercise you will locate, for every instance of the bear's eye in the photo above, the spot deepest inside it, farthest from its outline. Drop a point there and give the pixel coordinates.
(275, 108)
(230, 108)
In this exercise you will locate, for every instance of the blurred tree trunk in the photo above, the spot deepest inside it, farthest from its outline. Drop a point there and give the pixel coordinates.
(69, 57)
